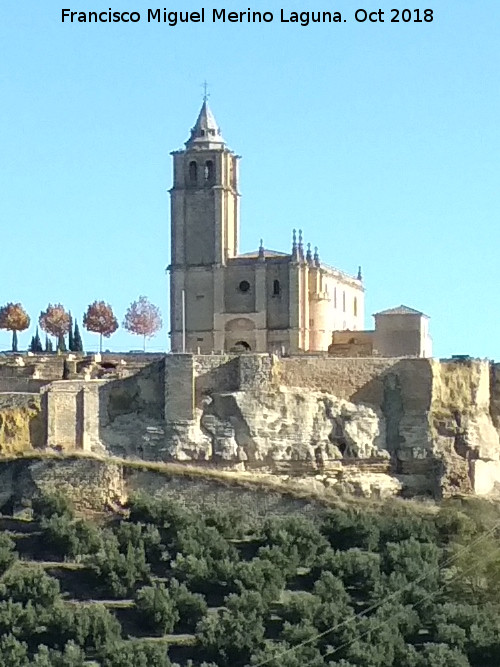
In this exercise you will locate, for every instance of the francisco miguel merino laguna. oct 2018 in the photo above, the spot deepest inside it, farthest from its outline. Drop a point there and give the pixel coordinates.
(303, 18)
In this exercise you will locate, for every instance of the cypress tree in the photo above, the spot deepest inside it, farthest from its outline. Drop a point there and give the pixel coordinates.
(71, 342)
(32, 345)
(37, 343)
(77, 339)
(48, 344)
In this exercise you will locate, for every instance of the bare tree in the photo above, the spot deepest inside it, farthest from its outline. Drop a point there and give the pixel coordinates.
(143, 319)
(14, 318)
(100, 319)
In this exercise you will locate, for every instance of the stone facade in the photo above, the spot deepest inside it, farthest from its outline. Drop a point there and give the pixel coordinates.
(262, 301)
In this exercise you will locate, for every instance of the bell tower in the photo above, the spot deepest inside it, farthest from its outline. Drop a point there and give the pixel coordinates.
(204, 198)
(204, 218)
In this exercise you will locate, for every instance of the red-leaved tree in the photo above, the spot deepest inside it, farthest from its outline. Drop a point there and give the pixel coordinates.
(14, 318)
(143, 319)
(55, 321)
(100, 319)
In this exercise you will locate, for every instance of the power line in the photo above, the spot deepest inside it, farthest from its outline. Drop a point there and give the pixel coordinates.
(378, 604)
(426, 597)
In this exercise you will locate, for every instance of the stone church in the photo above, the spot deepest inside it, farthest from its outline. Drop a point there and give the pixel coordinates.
(260, 301)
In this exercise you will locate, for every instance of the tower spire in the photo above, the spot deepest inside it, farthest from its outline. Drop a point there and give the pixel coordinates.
(206, 132)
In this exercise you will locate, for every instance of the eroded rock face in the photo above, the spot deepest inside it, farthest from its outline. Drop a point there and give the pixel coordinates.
(463, 431)
(22, 426)
(287, 424)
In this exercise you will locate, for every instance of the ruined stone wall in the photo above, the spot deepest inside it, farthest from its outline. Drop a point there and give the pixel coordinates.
(22, 385)
(132, 411)
(356, 379)
(216, 372)
(179, 388)
(400, 388)
(72, 414)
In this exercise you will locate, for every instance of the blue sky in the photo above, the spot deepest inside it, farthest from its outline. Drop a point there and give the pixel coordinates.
(381, 141)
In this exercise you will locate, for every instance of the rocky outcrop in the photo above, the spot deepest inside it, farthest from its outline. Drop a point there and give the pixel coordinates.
(360, 426)
(22, 424)
(268, 426)
(465, 435)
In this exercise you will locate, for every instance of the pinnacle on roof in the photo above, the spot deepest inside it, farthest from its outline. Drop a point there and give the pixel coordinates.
(206, 132)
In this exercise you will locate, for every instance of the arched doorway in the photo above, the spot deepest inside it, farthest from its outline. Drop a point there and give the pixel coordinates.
(240, 335)
(241, 346)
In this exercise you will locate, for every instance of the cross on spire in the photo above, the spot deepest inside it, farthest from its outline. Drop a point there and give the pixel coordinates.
(206, 94)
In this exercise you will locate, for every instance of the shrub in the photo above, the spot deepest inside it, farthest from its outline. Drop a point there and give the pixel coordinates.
(7, 553)
(116, 572)
(157, 610)
(136, 654)
(48, 504)
(29, 583)
(67, 537)
(140, 534)
(191, 607)
(263, 576)
(13, 653)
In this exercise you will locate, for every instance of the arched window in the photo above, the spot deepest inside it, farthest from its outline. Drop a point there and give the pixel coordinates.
(355, 306)
(276, 288)
(193, 172)
(209, 171)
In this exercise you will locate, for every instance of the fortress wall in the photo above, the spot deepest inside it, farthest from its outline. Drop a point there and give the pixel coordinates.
(21, 384)
(179, 388)
(11, 371)
(359, 380)
(439, 421)
(255, 371)
(215, 372)
(72, 414)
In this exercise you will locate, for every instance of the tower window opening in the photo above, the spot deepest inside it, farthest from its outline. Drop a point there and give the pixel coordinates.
(355, 306)
(202, 132)
(209, 171)
(193, 172)
(276, 288)
(244, 286)
(343, 301)
(334, 297)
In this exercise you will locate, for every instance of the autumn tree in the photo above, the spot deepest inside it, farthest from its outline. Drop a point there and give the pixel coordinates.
(56, 322)
(100, 319)
(143, 319)
(14, 318)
